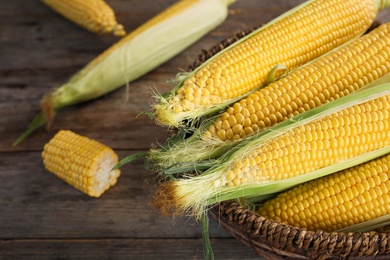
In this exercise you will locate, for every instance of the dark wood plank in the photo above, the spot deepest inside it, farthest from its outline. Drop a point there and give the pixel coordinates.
(122, 249)
(49, 208)
(41, 216)
(51, 49)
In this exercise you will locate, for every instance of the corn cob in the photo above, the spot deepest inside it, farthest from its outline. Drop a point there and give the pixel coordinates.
(337, 201)
(346, 131)
(334, 75)
(81, 162)
(94, 15)
(134, 55)
(292, 39)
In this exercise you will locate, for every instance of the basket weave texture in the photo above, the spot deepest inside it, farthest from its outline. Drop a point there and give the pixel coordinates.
(274, 240)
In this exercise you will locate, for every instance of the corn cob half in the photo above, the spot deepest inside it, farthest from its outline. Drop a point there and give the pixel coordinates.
(94, 15)
(334, 75)
(81, 162)
(174, 29)
(332, 137)
(336, 201)
(292, 39)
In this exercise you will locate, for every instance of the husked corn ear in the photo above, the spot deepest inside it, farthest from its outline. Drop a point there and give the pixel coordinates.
(340, 136)
(297, 38)
(330, 77)
(333, 76)
(336, 201)
(327, 139)
(81, 162)
(94, 15)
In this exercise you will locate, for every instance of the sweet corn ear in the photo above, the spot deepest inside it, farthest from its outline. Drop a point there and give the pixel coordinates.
(94, 15)
(333, 76)
(81, 162)
(294, 39)
(338, 135)
(333, 202)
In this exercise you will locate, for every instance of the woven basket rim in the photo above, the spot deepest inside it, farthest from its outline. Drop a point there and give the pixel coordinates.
(275, 240)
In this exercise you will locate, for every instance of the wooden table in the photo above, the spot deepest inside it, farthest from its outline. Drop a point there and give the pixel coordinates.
(41, 217)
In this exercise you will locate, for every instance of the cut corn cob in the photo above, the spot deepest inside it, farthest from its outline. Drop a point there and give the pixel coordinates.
(334, 75)
(81, 162)
(174, 29)
(339, 134)
(292, 39)
(337, 201)
(94, 15)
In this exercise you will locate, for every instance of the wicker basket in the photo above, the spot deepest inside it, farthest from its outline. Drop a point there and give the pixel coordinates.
(274, 240)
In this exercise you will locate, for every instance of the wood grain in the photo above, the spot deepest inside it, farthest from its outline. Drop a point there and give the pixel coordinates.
(41, 217)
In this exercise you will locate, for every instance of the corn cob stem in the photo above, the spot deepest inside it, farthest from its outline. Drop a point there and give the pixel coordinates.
(244, 66)
(282, 156)
(174, 29)
(336, 74)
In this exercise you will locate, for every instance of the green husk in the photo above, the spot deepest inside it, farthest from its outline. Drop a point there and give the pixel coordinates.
(191, 195)
(368, 225)
(150, 45)
(207, 249)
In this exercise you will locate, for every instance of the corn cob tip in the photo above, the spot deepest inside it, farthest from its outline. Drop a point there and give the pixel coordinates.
(187, 197)
(172, 199)
(81, 162)
(119, 30)
(164, 117)
(172, 115)
(94, 15)
(163, 199)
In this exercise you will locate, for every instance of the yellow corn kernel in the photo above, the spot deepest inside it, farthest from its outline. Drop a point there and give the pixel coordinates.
(310, 86)
(346, 198)
(94, 15)
(81, 162)
(297, 38)
(342, 135)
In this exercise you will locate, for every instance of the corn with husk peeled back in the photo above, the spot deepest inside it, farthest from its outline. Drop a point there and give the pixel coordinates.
(329, 138)
(334, 75)
(81, 162)
(151, 44)
(290, 40)
(340, 200)
(94, 15)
